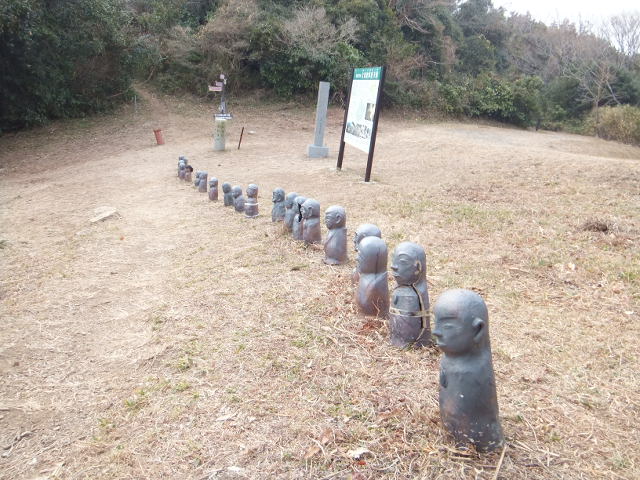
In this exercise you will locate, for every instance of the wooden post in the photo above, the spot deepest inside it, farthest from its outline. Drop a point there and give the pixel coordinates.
(240, 141)
(344, 125)
(372, 144)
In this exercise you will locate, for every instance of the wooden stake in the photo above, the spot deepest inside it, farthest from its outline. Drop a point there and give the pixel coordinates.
(240, 141)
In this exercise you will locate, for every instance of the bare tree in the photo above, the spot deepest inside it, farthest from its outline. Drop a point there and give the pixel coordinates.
(623, 31)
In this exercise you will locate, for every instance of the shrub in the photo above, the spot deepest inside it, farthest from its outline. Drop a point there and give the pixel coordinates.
(621, 123)
(61, 59)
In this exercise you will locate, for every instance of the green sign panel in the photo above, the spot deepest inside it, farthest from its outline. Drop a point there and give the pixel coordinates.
(371, 73)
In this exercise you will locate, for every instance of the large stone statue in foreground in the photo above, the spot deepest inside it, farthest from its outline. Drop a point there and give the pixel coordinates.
(311, 230)
(298, 221)
(278, 209)
(290, 210)
(251, 205)
(238, 198)
(335, 245)
(227, 196)
(372, 295)
(468, 400)
(409, 309)
(213, 189)
(364, 230)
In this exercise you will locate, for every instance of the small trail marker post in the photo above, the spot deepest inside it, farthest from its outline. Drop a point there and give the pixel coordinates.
(360, 125)
(318, 149)
(220, 118)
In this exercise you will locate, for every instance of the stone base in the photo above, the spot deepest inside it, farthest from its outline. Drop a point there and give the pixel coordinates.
(314, 151)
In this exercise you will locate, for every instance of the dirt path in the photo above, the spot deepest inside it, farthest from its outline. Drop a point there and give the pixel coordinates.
(179, 340)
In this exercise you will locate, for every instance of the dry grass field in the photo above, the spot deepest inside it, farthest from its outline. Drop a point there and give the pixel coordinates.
(178, 339)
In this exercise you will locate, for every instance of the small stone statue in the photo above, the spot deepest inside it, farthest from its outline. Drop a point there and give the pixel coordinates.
(238, 198)
(364, 230)
(187, 173)
(296, 227)
(251, 205)
(278, 209)
(182, 163)
(335, 246)
(468, 400)
(409, 310)
(290, 210)
(196, 181)
(372, 295)
(213, 189)
(311, 230)
(227, 195)
(202, 185)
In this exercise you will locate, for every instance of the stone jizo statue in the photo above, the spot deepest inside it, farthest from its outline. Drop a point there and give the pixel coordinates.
(372, 295)
(213, 189)
(227, 195)
(468, 400)
(196, 180)
(278, 209)
(290, 210)
(311, 230)
(238, 198)
(409, 309)
(296, 228)
(182, 163)
(251, 205)
(202, 185)
(187, 173)
(335, 245)
(364, 230)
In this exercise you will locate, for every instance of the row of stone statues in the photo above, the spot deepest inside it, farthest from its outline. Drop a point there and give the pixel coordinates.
(467, 393)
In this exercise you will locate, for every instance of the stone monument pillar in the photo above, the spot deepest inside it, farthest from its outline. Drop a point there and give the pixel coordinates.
(219, 134)
(318, 150)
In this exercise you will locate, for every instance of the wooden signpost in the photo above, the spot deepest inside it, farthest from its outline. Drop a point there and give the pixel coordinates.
(360, 125)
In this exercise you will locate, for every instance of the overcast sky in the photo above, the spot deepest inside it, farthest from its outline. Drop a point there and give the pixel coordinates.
(549, 11)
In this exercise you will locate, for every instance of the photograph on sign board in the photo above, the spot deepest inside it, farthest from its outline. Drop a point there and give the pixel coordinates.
(362, 108)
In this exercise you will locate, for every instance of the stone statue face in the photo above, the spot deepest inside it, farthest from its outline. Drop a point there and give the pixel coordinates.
(365, 230)
(408, 263)
(310, 209)
(226, 187)
(252, 190)
(278, 195)
(461, 322)
(335, 217)
(290, 199)
(213, 182)
(236, 191)
(372, 255)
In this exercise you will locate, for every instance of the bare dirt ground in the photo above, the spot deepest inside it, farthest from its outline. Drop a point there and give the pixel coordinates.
(181, 340)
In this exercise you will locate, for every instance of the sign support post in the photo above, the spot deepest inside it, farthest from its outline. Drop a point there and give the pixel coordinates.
(374, 133)
(344, 123)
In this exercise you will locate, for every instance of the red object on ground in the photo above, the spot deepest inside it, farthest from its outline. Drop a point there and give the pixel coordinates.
(159, 137)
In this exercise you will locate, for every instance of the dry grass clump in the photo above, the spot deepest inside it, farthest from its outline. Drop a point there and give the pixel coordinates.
(181, 340)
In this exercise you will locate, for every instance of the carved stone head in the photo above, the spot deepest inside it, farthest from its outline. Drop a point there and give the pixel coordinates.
(461, 323)
(278, 195)
(213, 182)
(236, 191)
(408, 264)
(335, 217)
(290, 200)
(372, 255)
(252, 191)
(310, 209)
(365, 230)
(226, 187)
(298, 204)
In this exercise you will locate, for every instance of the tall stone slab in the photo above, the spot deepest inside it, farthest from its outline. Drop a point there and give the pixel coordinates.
(318, 149)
